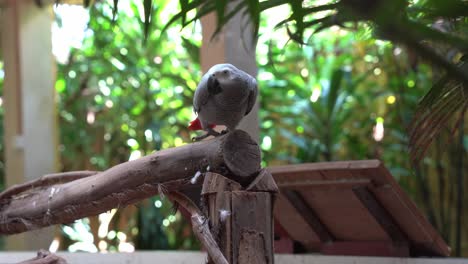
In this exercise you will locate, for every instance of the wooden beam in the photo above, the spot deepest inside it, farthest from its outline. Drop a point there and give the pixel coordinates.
(309, 215)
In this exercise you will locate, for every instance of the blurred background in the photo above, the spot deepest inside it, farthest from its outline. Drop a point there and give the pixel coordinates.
(347, 92)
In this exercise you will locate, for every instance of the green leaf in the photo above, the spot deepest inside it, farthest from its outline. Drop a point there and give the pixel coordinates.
(254, 12)
(220, 8)
(298, 16)
(184, 9)
(148, 9)
(192, 49)
(197, 4)
(115, 9)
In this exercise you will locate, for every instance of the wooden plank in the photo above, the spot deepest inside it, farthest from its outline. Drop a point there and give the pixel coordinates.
(323, 166)
(344, 215)
(294, 224)
(405, 218)
(323, 184)
(308, 215)
(381, 215)
(325, 173)
(412, 222)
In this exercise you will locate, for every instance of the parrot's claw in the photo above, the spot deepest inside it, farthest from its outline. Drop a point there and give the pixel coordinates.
(198, 138)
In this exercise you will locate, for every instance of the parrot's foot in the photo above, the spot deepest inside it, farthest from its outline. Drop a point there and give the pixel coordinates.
(210, 132)
(198, 138)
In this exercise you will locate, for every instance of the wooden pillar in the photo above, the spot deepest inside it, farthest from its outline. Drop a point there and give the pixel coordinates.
(30, 118)
(241, 219)
(233, 45)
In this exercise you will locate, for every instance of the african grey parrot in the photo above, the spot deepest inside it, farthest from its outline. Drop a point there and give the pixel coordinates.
(224, 96)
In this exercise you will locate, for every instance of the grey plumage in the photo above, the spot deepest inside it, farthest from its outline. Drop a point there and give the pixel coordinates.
(224, 96)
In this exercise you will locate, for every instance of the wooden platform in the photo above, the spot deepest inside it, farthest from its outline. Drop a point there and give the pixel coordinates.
(197, 257)
(350, 208)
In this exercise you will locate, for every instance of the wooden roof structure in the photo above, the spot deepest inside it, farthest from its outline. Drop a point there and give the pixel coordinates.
(351, 208)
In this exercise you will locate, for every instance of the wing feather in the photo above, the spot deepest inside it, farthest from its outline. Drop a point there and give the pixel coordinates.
(201, 95)
(252, 95)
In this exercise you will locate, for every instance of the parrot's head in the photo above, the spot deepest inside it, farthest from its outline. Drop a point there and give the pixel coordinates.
(225, 77)
(224, 73)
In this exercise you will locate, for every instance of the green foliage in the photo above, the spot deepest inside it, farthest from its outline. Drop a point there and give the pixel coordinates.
(323, 92)
(120, 98)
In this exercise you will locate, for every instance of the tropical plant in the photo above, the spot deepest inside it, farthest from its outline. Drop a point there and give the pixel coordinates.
(119, 99)
(408, 23)
(380, 87)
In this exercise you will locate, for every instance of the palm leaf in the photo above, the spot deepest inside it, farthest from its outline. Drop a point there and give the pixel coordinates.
(184, 8)
(204, 7)
(228, 17)
(445, 99)
(309, 10)
(335, 85)
(254, 12)
(220, 8)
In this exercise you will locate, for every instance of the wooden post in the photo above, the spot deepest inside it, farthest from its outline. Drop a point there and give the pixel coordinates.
(30, 119)
(241, 219)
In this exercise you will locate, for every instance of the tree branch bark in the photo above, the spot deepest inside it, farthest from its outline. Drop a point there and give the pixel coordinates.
(234, 154)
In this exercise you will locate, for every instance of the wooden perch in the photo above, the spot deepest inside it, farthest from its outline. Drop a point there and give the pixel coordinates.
(45, 257)
(235, 155)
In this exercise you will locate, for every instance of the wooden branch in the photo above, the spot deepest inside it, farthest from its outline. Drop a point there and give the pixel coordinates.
(234, 154)
(200, 227)
(185, 202)
(202, 232)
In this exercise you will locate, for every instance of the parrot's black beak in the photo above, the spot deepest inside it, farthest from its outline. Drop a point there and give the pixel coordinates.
(214, 86)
